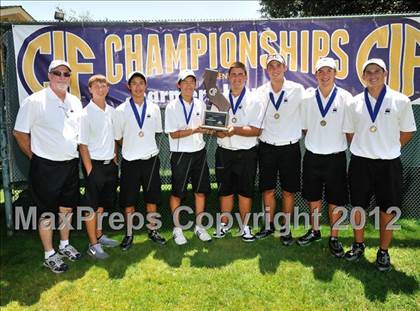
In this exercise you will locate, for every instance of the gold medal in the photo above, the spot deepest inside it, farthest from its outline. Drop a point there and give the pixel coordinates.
(141, 134)
(323, 122)
(373, 129)
(276, 115)
(234, 120)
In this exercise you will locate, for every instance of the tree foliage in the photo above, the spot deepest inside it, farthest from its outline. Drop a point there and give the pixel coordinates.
(302, 8)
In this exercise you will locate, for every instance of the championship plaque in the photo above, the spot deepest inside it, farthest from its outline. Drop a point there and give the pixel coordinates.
(215, 120)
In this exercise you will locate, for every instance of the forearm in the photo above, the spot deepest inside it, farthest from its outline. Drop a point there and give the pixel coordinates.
(405, 137)
(182, 133)
(24, 143)
(85, 155)
(246, 131)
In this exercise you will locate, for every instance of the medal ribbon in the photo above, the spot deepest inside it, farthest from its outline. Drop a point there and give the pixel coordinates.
(373, 113)
(238, 102)
(187, 117)
(279, 100)
(329, 103)
(140, 120)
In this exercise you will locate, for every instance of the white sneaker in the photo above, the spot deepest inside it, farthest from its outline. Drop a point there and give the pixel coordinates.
(202, 234)
(248, 236)
(221, 232)
(179, 237)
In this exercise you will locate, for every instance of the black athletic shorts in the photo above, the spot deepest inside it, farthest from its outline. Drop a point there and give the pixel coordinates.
(101, 184)
(54, 183)
(329, 170)
(284, 161)
(144, 173)
(383, 178)
(235, 171)
(188, 166)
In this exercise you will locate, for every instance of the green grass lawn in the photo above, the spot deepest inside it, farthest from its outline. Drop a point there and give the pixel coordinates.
(225, 274)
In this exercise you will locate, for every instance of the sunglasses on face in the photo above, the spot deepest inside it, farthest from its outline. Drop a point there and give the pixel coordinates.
(60, 73)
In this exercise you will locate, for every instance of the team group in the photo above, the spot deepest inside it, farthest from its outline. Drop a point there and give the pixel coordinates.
(264, 129)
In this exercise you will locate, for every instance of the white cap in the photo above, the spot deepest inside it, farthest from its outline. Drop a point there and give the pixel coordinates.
(56, 63)
(376, 61)
(136, 73)
(325, 62)
(276, 57)
(183, 74)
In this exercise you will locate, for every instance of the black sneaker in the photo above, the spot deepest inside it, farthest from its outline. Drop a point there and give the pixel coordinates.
(309, 237)
(383, 261)
(126, 242)
(287, 239)
(264, 232)
(156, 237)
(356, 251)
(336, 248)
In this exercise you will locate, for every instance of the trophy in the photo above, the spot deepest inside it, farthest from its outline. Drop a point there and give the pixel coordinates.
(215, 120)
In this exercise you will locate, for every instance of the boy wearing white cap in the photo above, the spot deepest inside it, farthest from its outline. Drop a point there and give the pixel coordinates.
(136, 123)
(183, 118)
(324, 162)
(236, 154)
(279, 150)
(46, 130)
(378, 124)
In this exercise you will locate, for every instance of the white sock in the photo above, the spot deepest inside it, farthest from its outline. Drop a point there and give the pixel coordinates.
(63, 243)
(49, 253)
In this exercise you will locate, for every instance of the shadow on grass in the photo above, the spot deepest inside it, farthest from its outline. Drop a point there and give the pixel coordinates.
(271, 254)
(23, 279)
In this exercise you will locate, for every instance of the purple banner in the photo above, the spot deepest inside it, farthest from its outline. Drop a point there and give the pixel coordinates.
(160, 50)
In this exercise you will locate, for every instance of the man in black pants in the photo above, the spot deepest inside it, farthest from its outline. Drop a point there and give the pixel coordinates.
(325, 161)
(136, 122)
(98, 153)
(46, 130)
(378, 124)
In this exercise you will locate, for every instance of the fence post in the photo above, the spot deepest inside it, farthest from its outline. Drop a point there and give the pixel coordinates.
(5, 164)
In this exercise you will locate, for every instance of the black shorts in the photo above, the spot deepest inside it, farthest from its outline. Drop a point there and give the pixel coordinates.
(186, 166)
(101, 184)
(235, 171)
(383, 178)
(54, 183)
(144, 173)
(283, 160)
(329, 170)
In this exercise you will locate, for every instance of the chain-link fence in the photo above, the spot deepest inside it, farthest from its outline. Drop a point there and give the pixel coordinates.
(19, 165)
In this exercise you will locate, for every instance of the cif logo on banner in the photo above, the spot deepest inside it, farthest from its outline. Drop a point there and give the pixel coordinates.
(402, 42)
(47, 44)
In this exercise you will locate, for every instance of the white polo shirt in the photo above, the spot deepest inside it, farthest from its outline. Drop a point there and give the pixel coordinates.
(97, 132)
(395, 115)
(135, 147)
(288, 126)
(175, 121)
(248, 114)
(329, 138)
(52, 124)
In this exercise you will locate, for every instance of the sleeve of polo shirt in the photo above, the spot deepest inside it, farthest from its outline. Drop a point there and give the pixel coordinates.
(117, 122)
(25, 116)
(263, 99)
(256, 112)
(84, 129)
(407, 122)
(171, 124)
(348, 126)
(158, 120)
